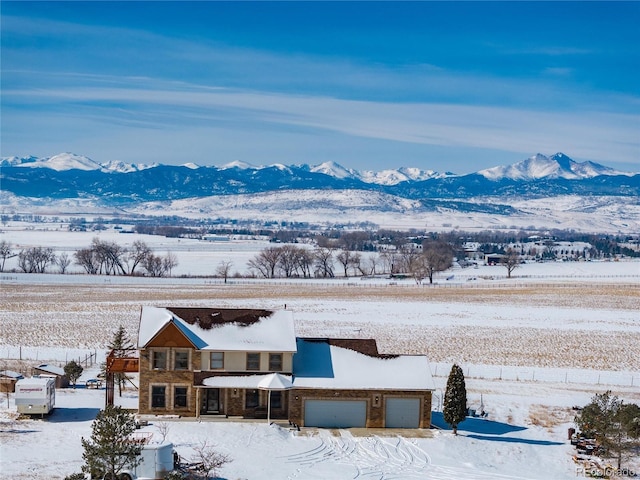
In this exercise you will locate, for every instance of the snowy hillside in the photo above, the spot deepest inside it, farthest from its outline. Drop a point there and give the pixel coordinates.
(602, 214)
(594, 214)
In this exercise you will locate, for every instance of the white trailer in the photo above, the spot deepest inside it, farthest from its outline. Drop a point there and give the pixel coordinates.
(157, 462)
(36, 395)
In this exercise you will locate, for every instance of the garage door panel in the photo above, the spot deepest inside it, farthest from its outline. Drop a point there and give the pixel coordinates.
(402, 413)
(335, 413)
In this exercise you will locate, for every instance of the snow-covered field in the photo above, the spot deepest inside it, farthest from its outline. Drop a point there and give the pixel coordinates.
(531, 347)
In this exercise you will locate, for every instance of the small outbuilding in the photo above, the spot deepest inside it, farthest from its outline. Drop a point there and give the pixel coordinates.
(8, 379)
(51, 371)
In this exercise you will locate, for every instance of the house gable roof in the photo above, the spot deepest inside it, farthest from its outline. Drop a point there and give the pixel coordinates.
(171, 335)
(323, 364)
(219, 329)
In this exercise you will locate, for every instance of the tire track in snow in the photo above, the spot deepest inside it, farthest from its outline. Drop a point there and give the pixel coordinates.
(372, 457)
(376, 458)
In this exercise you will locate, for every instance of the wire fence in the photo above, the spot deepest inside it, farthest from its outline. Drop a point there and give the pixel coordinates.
(23, 359)
(542, 374)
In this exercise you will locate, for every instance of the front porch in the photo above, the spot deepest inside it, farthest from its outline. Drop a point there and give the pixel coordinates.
(241, 397)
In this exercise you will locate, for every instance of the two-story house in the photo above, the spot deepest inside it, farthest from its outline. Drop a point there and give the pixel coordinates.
(184, 351)
(215, 361)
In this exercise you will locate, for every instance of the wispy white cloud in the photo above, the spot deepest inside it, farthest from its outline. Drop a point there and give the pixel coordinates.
(143, 87)
(593, 135)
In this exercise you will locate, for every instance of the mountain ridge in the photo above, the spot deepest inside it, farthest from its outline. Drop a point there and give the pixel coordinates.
(535, 167)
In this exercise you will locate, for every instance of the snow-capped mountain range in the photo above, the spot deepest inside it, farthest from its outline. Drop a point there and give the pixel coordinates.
(552, 192)
(71, 161)
(533, 168)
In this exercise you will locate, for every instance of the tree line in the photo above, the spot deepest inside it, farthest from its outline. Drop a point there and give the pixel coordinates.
(99, 258)
(418, 261)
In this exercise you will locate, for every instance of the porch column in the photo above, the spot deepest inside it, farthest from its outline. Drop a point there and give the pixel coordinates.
(197, 402)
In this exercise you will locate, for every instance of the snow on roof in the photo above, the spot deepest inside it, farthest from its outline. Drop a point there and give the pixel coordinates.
(51, 369)
(11, 374)
(34, 381)
(319, 364)
(242, 381)
(272, 331)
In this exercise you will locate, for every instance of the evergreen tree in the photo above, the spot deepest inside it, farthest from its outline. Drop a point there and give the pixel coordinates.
(73, 371)
(613, 424)
(120, 343)
(110, 448)
(455, 399)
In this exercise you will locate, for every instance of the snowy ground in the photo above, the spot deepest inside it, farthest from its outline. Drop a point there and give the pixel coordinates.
(527, 427)
(531, 347)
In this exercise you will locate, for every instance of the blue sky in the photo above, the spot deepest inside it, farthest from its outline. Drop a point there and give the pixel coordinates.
(446, 86)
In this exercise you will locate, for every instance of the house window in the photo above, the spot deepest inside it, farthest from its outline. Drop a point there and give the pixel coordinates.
(159, 360)
(253, 361)
(275, 362)
(180, 397)
(276, 399)
(158, 396)
(181, 360)
(217, 361)
(252, 398)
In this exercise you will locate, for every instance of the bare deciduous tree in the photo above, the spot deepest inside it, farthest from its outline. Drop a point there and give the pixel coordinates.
(406, 258)
(345, 258)
(137, 255)
(288, 259)
(208, 459)
(305, 261)
(224, 269)
(63, 261)
(153, 265)
(266, 262)
(438, 257)
(169, 262)
(163, 429)
(323, 260)
(5, 253)
(110, 257)
(511, 261)
(86, 258)
(369, 264)
(35, 259)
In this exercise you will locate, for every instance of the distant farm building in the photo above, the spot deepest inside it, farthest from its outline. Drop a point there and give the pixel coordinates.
(57, 373)
(493, 259)
(8, 381)
(215, 238)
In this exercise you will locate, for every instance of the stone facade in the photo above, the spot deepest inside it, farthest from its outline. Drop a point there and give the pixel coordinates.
(173, 373)
(170, 379)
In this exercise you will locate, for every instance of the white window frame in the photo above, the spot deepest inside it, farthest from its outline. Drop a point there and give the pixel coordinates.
(211, 367)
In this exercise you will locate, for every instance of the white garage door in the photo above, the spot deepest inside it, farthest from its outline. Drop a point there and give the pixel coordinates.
(335, 413)
(402, 413)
